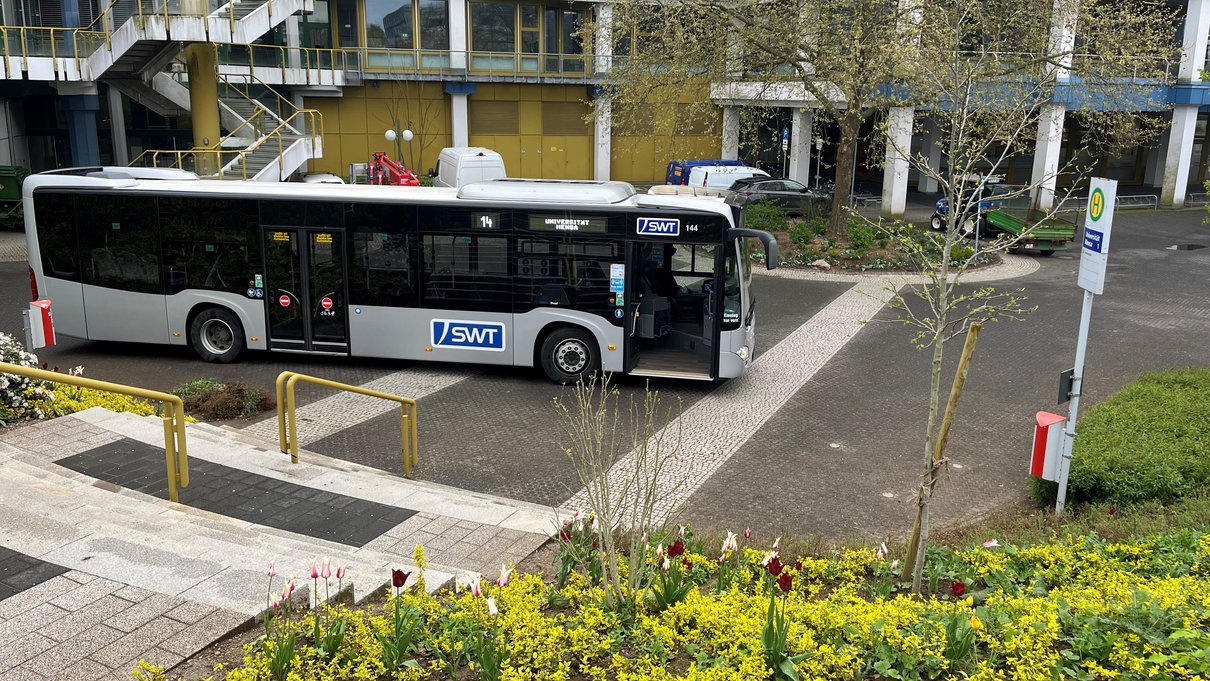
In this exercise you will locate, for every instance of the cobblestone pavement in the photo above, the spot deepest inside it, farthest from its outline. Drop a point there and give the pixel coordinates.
(497, 432)
(12, 246)
(843, 456)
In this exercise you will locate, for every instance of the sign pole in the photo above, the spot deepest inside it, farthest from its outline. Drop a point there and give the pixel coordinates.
(1094, 257)
(1077, 381)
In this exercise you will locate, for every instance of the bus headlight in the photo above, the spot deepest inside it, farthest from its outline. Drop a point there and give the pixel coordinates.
(743, 353)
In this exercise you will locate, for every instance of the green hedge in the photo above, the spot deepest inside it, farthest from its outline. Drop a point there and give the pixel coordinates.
(1149, 441)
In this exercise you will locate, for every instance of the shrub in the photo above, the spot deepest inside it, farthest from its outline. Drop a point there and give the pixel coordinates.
(861, 236)
(70, 399)
(767, 216)
(1149, 441)
(212, 400)
(20, 397)
(959, 252)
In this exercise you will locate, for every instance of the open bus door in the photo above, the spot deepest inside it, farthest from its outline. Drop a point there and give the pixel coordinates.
(672, 327)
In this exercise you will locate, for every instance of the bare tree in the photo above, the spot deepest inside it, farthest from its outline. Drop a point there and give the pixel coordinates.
(619, 456)
(413, 111)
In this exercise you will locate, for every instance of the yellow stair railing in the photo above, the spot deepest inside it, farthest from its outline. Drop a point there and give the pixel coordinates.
(172, 411)
(287, 423)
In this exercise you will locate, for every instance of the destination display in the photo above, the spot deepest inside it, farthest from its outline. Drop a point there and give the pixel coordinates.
(565, 223)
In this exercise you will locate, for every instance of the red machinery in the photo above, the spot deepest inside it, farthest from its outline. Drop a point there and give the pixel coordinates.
(382, 170)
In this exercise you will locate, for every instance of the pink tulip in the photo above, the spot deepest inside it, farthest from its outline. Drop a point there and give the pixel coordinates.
(747, 533)
(769, 555)
(881, 553)
(502, 581)
(276, 604)
(730, 543)
(990, 544)
(325, 570)
(271, 571)
(314, 568)
(474, 588)
(681, 532)
(776, 543)
(340, 571)
(288, 589)
(666, 565)
(895, 564)
(491, 607)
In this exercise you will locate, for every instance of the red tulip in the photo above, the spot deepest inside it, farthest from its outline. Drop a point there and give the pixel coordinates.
(564, 536)
(775, 566)
(786, 582)
(798, 566)
(686, 563)
(958, 588)
(399, 578)
(677, 548)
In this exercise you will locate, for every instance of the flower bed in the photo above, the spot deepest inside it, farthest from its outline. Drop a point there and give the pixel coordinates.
(1078, 608)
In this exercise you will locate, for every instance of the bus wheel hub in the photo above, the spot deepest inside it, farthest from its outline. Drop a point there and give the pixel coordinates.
(571, 356)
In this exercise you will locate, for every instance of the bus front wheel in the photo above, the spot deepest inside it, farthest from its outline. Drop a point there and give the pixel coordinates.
(217, 335)
(570, 355)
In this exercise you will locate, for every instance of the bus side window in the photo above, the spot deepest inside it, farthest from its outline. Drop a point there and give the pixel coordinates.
(120, 243)
(57, 235)
(381, 270)
(209, 244)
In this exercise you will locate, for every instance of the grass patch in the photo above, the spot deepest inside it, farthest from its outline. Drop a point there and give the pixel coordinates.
(215, 401)
(1149, 441)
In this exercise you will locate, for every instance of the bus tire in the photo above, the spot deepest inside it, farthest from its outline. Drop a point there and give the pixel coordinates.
(217, 335)
(570, 355)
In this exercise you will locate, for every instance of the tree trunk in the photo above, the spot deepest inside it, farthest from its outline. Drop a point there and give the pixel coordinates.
(850, 127)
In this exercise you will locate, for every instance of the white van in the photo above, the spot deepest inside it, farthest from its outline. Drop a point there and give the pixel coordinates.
(721, 177)
(457, 166)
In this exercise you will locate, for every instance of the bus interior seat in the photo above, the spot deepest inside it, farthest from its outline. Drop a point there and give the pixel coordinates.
(104, 265)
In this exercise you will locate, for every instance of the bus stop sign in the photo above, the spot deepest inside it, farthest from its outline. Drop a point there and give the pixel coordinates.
(1097, 224)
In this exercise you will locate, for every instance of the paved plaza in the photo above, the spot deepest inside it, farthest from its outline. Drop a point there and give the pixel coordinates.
(823, 436)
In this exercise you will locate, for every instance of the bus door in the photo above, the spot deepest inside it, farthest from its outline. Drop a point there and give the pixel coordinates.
(672, 326)
(305, 289)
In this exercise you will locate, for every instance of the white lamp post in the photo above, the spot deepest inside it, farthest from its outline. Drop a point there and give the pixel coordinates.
(405, 136)
(818, 159)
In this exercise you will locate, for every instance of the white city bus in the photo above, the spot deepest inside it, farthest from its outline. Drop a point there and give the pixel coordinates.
(572, 276)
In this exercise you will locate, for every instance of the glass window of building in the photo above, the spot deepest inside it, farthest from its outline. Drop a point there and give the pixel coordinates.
(493, 27)
(389, 24)
(434, 25)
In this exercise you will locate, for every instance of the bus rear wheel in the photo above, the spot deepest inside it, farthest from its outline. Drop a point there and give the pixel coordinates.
(570, 355)
(217, 335)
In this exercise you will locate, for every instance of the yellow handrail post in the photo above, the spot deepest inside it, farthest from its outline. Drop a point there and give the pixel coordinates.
(178, 408)
(280, 389)
(293, 425)
(170, 450)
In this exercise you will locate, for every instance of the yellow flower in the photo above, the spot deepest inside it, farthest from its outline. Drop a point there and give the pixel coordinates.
(976, 623)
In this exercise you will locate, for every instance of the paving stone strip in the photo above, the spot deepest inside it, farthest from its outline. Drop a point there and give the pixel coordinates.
(715, 427)
(338, 411)
(77, 626)
(19, 572)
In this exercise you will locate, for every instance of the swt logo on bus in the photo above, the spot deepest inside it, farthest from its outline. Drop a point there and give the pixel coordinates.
(659, 226)
(465, 335)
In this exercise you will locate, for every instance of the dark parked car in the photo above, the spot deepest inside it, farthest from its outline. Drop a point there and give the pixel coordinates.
(793, 197)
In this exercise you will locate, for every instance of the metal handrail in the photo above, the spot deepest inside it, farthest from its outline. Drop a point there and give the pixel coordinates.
(287, 421)
(172, 410)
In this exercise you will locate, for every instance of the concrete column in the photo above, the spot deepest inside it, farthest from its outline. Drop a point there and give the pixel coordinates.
(931, 151)
(603, 37)
(1046, 155)
(293, 41)
(602, 133)
(801, 141)
(895, 172)
(117, 128)
(458, 31)
(459, 97)
(1179, 154)
(730, 132)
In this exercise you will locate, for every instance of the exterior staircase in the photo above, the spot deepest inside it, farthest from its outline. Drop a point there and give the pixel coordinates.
(266, 141)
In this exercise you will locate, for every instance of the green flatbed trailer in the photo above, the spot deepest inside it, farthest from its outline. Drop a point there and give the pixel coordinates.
(11, 214)
(1046, 234)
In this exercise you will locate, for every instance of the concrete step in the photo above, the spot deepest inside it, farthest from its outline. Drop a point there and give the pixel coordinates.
(123, 535)
(127, 537)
